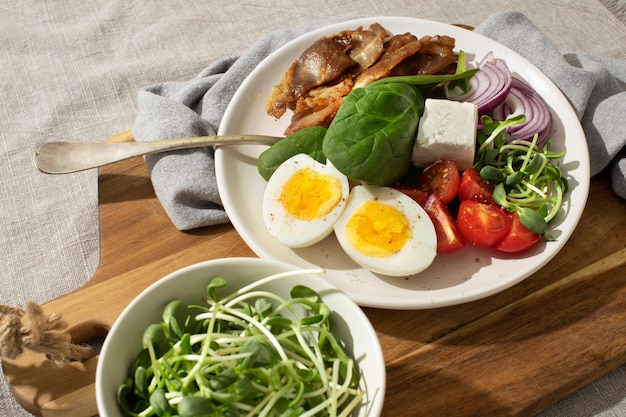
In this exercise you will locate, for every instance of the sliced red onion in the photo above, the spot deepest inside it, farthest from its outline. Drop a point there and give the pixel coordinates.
(489, 86)
(523, 99)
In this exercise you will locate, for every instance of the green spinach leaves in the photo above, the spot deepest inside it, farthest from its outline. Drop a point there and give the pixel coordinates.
(371, 137)
(307, 141)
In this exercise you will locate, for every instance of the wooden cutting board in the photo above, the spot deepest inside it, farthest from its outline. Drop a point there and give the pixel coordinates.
(511, 354)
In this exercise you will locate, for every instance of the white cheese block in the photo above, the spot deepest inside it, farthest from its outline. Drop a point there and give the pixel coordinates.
(446, 130)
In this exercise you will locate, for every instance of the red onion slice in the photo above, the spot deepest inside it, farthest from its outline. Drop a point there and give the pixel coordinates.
(523, 99)
(489, 86)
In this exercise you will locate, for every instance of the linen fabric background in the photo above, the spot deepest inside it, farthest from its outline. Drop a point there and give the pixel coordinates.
(71, 70)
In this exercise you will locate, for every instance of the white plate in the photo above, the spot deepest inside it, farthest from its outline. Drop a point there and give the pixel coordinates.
(467, 275)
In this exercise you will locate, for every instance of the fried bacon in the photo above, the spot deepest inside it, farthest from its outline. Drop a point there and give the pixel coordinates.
(321, 63)
(317, 82)
(281, 97)
(368, 45)
(397, 49)
(341, 55)
(319, 106)
(435, 57)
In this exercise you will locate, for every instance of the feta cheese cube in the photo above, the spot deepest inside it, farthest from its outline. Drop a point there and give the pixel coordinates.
(446, 130)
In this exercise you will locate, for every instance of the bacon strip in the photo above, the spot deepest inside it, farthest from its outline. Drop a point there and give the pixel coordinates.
(317, 82)
(318, 108)
(435, 57)
(396, 49)
(368, 45)
(321, 63)
(281, 98)
(344, 54)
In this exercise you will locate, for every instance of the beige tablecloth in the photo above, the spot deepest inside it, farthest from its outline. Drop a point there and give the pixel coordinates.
(71, 70)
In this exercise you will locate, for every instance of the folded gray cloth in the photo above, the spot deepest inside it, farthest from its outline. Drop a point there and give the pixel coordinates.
(184, 181)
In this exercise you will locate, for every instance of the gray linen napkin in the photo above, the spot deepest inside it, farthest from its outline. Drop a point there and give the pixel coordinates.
(184, 181)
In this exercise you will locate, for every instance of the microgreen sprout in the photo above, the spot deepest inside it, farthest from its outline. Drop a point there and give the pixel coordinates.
(527, 178)
(250, 353)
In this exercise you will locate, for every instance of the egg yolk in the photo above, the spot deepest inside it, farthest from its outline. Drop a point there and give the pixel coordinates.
(377, 230)
(309, 194)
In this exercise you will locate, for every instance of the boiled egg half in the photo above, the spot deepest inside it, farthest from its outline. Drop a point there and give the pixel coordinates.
(302, 201)
(386, 232)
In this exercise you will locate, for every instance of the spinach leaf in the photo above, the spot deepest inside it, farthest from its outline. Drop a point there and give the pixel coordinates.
(307, 141)
(371, 137)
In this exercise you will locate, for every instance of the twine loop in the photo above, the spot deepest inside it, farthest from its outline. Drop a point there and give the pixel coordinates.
(31, 329)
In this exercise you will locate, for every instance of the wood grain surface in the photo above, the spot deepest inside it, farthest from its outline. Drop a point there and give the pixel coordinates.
(511, 354)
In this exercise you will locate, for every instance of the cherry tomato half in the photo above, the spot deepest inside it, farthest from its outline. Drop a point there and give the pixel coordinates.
(483, 224)
(415, 193)
(442, 178)
(519, 238)
(474, 187)
(449, 239)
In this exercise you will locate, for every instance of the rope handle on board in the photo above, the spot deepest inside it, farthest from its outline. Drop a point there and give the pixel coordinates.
(30, 329)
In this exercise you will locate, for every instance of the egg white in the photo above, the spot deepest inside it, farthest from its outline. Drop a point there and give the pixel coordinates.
(287, 229)
(418, 252)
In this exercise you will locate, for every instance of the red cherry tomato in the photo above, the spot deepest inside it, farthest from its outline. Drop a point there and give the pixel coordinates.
(415, 193)
(442, 178)
(449, 239)
(474, 187)
(519, 238)
(483, 224)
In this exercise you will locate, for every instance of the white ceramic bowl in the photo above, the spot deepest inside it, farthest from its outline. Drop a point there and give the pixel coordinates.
(123, 342)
